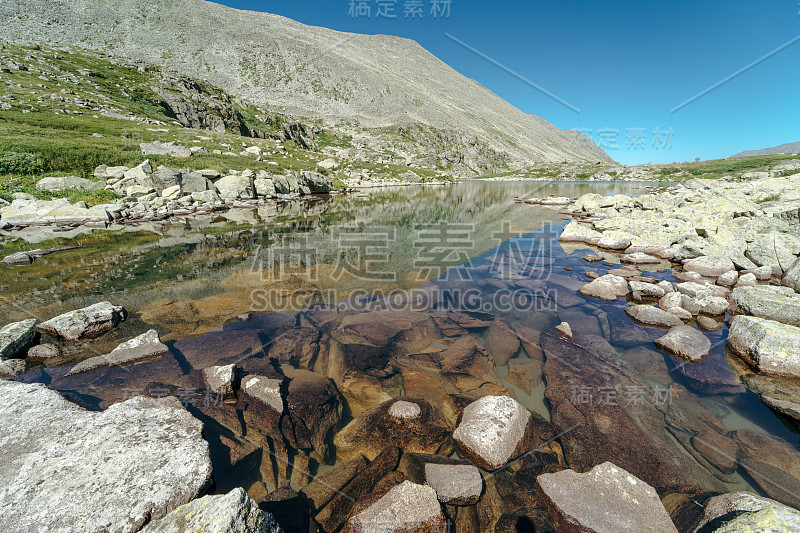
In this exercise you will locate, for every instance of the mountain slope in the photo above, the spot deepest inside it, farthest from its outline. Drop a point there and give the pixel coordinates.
(370, 81)
(788, 148)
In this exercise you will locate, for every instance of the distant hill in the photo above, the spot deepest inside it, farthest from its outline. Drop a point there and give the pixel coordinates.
(371, 81)
(788, 148)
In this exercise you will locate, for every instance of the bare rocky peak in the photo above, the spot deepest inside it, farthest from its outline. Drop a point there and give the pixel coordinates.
(305, 71)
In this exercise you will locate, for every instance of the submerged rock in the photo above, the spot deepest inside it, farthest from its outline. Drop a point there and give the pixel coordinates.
(406, 508)
(144, 347)
(235, 512)
(607, 499)
(501, 341)
(66, 468)
(771, 347)
(411, 424)
(84, 323)
(16, 338)
(497, 429)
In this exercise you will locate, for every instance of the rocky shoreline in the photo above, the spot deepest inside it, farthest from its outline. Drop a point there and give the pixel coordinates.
(150, 195)
(735, 248)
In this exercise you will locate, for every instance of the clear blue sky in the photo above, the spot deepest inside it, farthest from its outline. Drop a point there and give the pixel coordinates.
(624, 64)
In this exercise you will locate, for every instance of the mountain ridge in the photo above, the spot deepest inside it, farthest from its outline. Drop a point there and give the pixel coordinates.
(364, 81)
(788, 148)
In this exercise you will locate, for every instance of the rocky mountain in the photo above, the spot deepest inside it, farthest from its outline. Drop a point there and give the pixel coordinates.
(788, 148)
(369, 86)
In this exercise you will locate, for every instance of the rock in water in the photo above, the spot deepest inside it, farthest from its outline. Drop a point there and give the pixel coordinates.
(16, 338)
(771, 347)
(412, 424)
(685, 342)
(653, 316)
(744, 512)
(408, 507)
(607, 499)
(501, 341)
(608, 287)
(497, 429)
(235, 512)
(89, 322)
(455, 484)
(65, 468)
(222, 380)
(144, 347)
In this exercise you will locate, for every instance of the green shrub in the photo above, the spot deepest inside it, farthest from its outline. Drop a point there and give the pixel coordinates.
(20, 163)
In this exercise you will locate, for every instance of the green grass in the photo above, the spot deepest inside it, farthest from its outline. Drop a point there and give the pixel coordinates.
(771, 198)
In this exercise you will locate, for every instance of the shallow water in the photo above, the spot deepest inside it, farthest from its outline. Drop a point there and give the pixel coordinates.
(432, 249)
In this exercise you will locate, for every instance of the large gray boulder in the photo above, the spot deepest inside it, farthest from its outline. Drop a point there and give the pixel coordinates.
(771, 347)
(16, 338)
(769, 302)
(235, 187)
(315, 182)
(142, 348)
(66, 469)
(67, 183)
(235, 512)
(607, 499)
(744, 512)
(84, 323)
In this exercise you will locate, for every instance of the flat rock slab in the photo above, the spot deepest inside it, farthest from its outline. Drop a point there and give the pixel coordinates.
(235, 512)
(16, 338)
(85, 323)
(142, 348)
(607, 499)
(66, 469)
(686, 343)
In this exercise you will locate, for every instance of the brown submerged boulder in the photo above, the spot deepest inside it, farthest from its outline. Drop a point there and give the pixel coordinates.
(313, 411)
(501, 341)
(339, 508)
(411, 424)
(604, 412)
